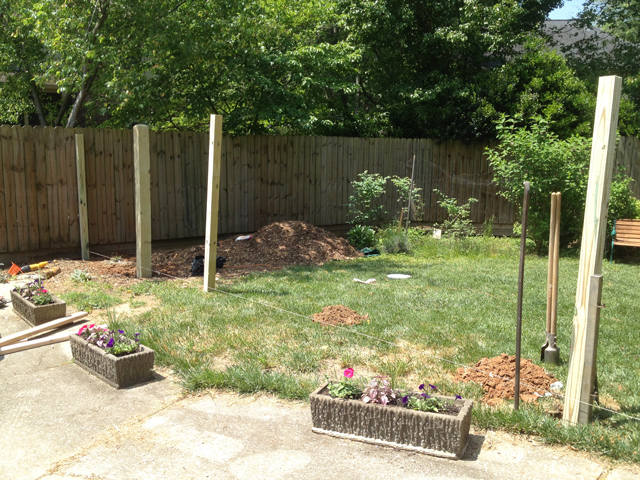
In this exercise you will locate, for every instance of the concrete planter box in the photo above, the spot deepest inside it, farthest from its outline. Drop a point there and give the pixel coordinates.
(119, 372)
(424, 432)
(36, 315)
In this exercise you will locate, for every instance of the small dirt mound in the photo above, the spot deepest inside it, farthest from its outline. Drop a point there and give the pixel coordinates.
(274, 246)
(533, 379)
(339, 315)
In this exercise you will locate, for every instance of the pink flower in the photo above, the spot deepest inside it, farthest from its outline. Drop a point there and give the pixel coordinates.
(82, 329)
(92, 325)
(43, 291)
(348, 372)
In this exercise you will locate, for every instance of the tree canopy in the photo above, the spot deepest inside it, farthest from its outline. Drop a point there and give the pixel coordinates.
(417, 68)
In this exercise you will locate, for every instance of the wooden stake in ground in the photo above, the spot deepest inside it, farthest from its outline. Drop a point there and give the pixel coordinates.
(213, 200)
(142, 168)
(82, 197)
(592, 247)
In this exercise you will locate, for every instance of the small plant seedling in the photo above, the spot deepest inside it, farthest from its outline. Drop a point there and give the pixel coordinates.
(116, 259)
(80, 276)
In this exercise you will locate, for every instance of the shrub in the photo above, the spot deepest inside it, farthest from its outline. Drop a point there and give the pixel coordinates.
(362, 236)
(394, 240)
(458, 224)
(537, 155)
(367, 191)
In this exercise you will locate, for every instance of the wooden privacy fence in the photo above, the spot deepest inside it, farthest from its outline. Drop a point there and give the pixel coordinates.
(263, 179)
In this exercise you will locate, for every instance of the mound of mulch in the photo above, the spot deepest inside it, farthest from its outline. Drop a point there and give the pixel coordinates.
(274, 246)
(533, 379)
(339, 315)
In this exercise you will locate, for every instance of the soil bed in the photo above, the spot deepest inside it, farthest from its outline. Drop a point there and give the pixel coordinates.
(273, 247)
(534, 381)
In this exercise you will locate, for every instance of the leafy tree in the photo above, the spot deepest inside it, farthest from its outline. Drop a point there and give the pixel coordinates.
(428, 67)
(550, 164)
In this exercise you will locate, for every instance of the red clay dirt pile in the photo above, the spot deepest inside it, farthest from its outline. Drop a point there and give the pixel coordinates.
(496, 389)
(338, 315)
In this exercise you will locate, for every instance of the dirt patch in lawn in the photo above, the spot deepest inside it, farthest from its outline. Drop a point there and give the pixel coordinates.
(497, 382)
(338, 315)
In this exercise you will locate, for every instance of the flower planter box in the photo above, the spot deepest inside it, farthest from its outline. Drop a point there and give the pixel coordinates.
(36, 315)
(119, 372)
(424, 432)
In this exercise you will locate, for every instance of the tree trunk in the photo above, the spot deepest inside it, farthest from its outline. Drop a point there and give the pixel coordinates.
(36, 102)
(80, 99)
(66, 101)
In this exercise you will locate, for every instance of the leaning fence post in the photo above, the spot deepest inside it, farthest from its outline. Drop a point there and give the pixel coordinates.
(142, 171)
(592, 246)
(82, 197)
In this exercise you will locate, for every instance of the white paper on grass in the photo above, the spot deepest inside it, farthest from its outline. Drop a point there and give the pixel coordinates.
(437, 233)
(398, 276)
(371, 280)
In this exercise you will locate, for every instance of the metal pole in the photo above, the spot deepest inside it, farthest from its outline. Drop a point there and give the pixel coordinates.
(523, 242)
(413, 169)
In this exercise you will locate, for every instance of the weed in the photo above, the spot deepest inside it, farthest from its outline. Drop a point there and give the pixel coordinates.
(5, 277)
(80, 276)
(90, 300)
(137, 303)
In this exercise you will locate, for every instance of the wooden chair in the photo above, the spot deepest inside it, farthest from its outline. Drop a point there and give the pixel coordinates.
(625, 233)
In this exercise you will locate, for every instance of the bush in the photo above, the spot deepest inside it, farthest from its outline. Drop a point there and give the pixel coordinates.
(367, 191)
(537, 155)
(361, 237)
(621, 203)
(458, 224)
(394, 240)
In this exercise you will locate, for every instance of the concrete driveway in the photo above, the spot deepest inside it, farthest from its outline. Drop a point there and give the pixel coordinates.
(60, 422)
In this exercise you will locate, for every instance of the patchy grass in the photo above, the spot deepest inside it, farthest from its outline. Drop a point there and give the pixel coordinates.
(459, 305)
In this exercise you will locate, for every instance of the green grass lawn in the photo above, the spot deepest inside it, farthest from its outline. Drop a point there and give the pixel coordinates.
(459, 305)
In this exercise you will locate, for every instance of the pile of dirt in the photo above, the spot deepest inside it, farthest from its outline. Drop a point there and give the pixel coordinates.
(274, 246)
(339, 315)
(533, 379)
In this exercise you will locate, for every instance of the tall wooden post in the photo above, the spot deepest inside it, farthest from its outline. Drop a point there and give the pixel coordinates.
(592, 248)
(142, 169)
(82, 197)
(213, 201)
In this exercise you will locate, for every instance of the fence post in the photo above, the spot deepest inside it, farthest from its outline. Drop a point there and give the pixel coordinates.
(213, 200)
(593, 233)
(142, 170)
(82, 197)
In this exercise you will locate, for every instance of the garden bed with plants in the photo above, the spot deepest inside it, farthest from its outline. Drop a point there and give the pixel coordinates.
(422, 422)
(112, 356)
(37, 305)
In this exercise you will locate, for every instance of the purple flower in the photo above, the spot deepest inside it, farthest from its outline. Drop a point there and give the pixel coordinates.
(425, 395)
(421, 387)
(136, 334)
(405, 399)
(433, 387)
(121, 331)
(458, 397)
(111, 342)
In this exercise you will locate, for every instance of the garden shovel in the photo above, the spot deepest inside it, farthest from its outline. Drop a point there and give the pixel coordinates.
(549, 352)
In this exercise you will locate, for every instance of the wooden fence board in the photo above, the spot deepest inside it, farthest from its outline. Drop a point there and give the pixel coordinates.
(33, 239)
(8, 167)
(243, 142)
(72, 186)
(22, 221)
